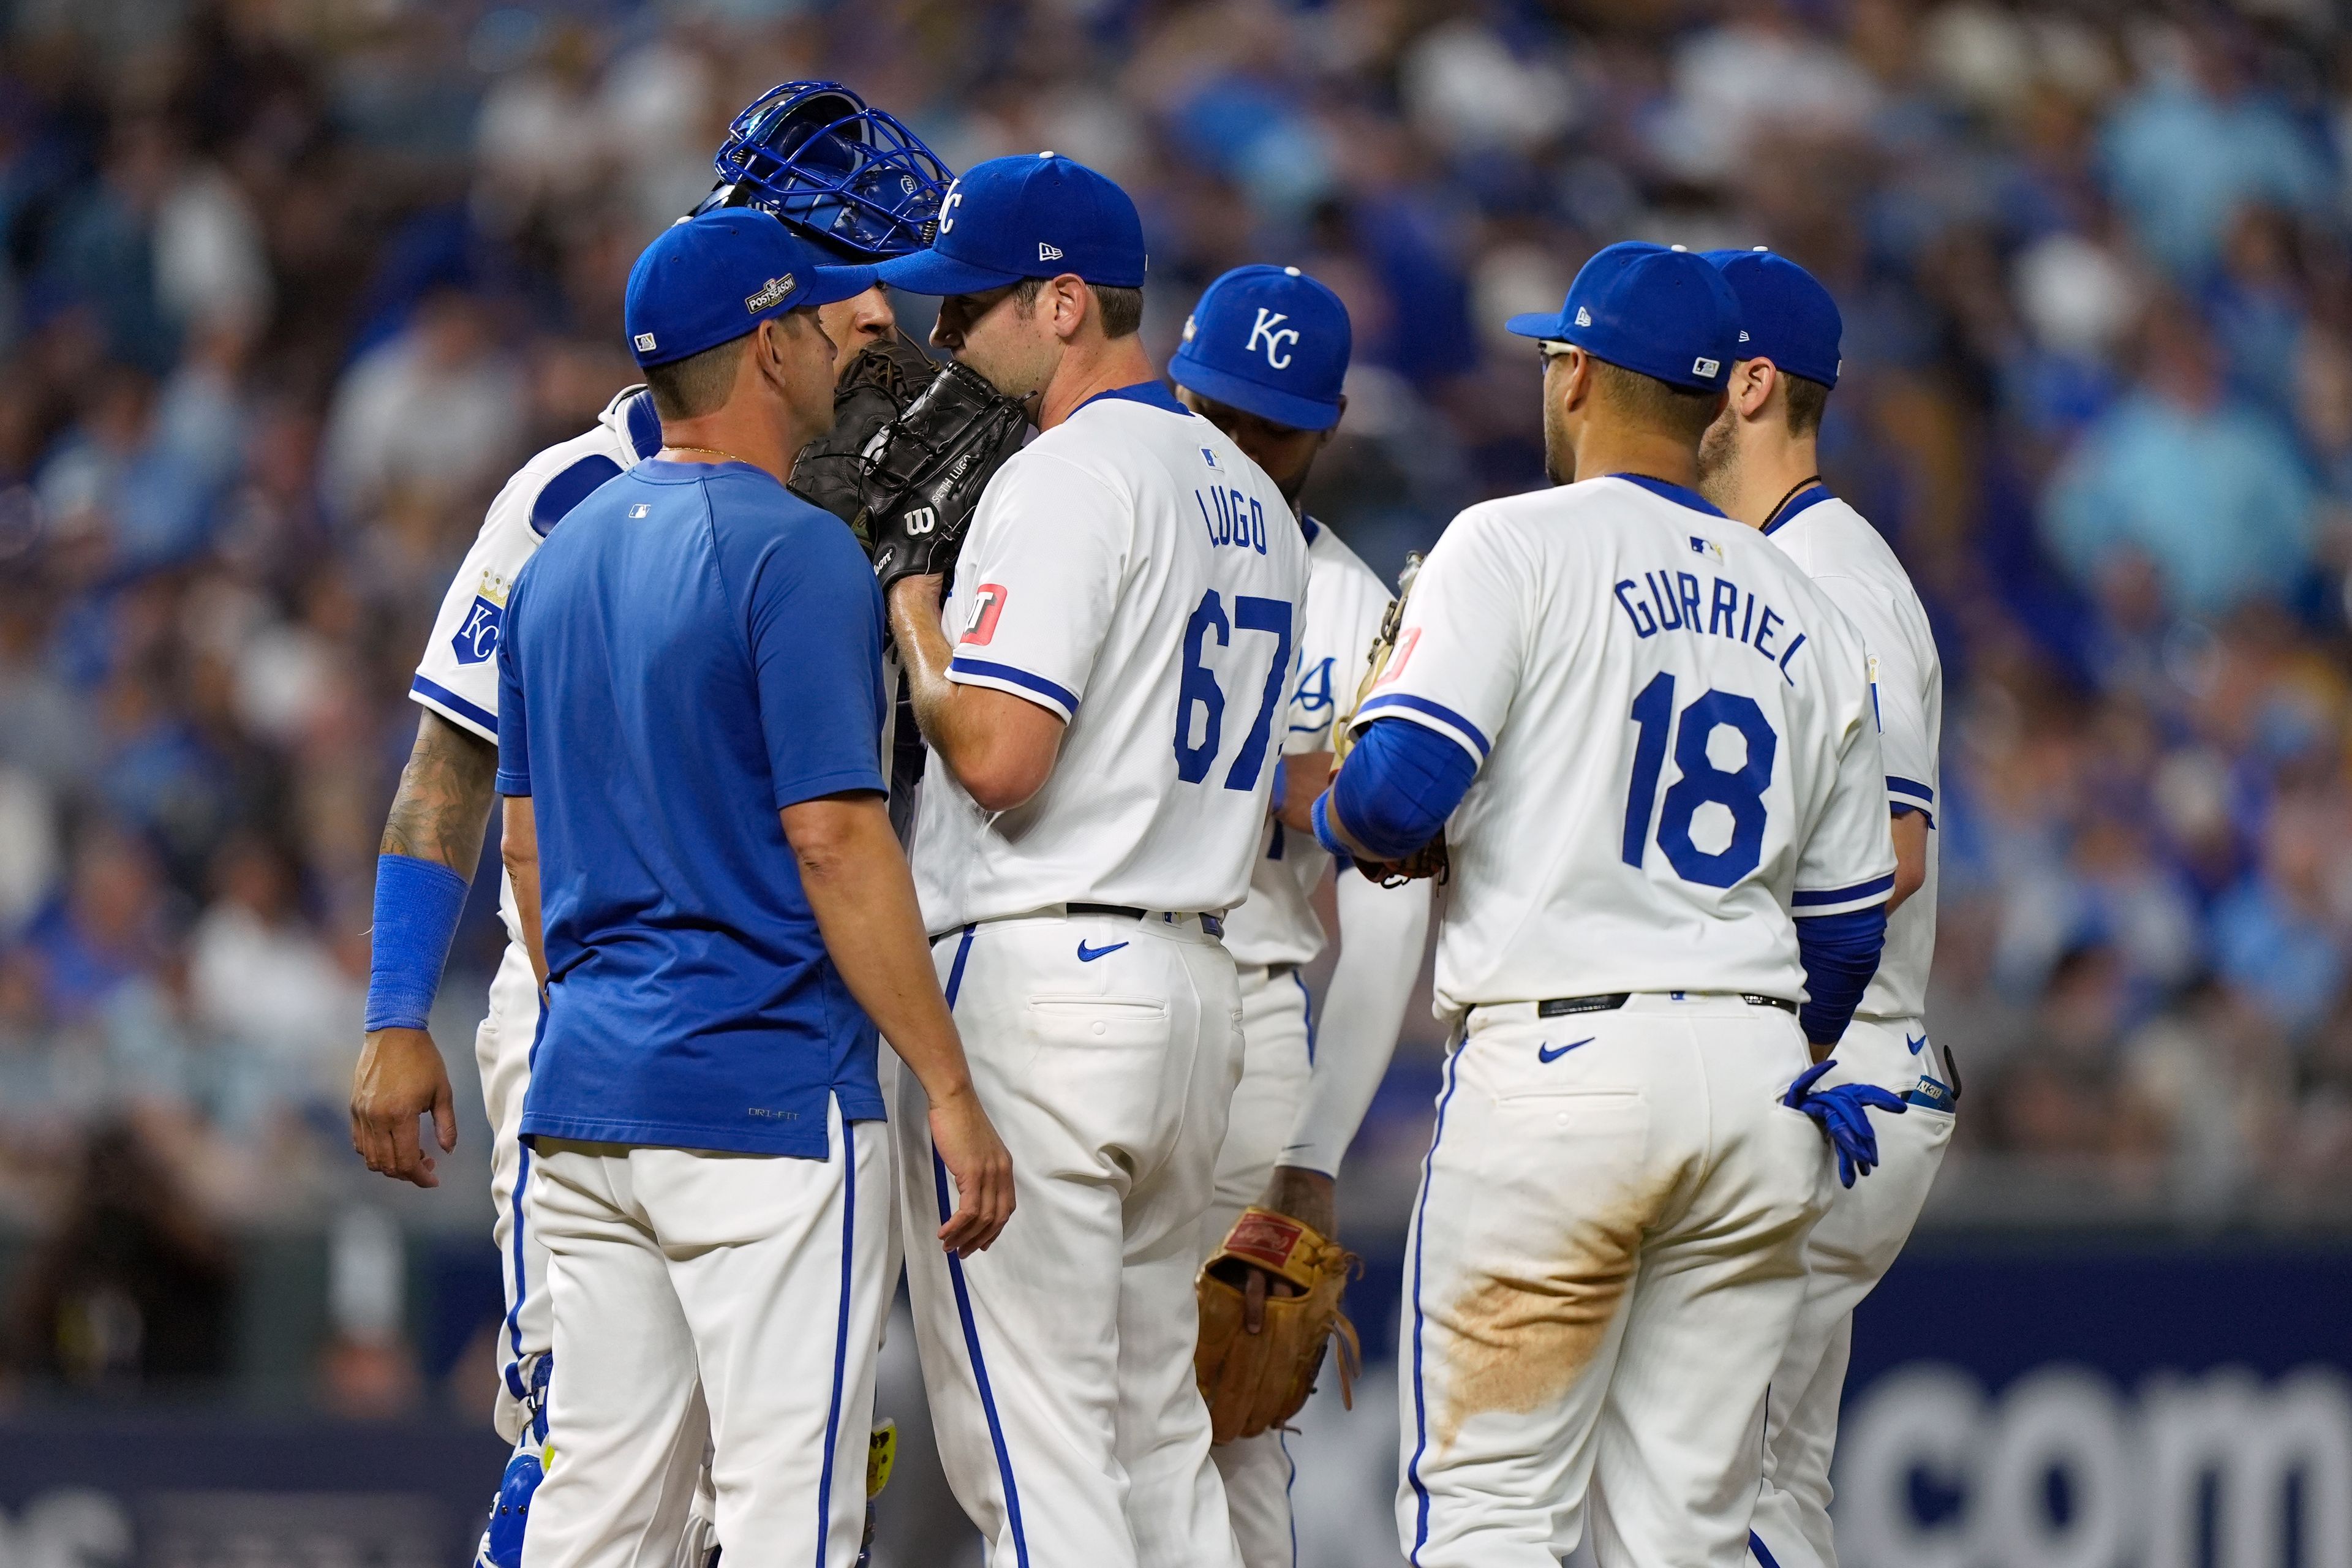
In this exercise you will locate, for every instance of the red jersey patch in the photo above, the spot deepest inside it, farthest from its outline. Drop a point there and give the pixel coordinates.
(987, 604)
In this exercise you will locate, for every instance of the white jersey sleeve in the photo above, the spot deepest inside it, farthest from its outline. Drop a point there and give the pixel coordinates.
(457, 676)
(1035, 618)
(1383, 932)
(1848, 861)
(1854, 567)
(1459, 649)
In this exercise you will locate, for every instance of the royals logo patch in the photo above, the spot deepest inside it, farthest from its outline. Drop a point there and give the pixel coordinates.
(477, 634)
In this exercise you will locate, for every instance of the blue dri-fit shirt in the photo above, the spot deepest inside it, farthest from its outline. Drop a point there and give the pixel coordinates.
(693, 648)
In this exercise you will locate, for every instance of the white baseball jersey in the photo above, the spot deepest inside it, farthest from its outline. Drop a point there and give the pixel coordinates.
(1132, 571)
(1675, 746)
(459, 676)
(1345, 602)
(1849, 562)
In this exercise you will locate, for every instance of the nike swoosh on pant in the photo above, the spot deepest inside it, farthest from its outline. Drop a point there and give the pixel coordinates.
(1085, 956)
(1548, 1054)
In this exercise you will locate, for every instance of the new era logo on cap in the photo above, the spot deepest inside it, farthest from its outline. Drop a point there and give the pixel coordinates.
(1048, 252)
(1583, 316)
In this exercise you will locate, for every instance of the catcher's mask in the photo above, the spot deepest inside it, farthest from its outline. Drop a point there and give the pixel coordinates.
(852, 178)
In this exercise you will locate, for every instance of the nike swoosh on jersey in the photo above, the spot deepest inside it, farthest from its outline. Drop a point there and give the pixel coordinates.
(1551, 1054)
(1916, 1046)
(1087, 956)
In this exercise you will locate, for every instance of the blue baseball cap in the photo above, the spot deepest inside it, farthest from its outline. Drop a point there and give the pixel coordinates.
(1035, 215)
(708, 281)
(1785, 314)
(1269, 340)
(1664, 312)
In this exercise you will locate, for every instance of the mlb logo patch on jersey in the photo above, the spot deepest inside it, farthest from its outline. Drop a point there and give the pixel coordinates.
(1209, 457)
(477, 634)
(1705, 547)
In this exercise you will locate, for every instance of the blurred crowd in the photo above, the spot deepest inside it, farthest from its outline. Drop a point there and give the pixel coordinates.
(288, 287)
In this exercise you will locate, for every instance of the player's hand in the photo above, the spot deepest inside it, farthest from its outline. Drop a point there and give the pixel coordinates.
(400, 1078)
(1309, 1197)
(1304, 777)
(982, 1168)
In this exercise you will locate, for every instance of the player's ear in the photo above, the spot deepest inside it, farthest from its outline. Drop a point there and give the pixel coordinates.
(1576, 378)
(1752, 381)
(1074, 302)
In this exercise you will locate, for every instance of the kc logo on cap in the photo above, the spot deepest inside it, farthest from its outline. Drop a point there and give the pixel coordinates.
(1269, 340)
(992, 217)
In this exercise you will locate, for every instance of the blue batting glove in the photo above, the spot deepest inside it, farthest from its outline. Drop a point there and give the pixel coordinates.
(1843, 1114)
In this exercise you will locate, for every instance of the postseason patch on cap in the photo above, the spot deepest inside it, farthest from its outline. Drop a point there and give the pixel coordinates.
(768, 294)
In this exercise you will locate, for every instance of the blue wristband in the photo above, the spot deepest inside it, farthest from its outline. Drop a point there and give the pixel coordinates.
(416, 908)
(1319, 813)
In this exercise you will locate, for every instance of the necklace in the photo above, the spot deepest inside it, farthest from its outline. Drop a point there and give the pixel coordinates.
(714, 451)
(1794, 491)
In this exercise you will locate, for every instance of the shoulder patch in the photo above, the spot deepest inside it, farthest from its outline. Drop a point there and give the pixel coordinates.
(568, 490)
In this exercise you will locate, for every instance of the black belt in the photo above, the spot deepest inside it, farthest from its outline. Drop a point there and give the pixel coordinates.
(1609, 1001)
(1209, 923)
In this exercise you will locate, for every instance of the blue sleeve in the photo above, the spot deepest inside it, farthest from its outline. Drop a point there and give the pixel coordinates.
(514, 730)
(1398, 787)
(806, 599)
(1840, 953)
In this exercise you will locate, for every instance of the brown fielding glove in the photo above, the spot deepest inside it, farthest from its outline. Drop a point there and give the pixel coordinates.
(1253, 1383)
(1430, 860)
(873, 390)
(925, 470)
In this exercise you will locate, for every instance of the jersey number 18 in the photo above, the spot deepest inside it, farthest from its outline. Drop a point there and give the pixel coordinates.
(1738, 791)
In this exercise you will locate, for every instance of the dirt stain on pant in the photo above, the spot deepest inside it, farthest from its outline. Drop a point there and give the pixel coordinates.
(1516, 1340)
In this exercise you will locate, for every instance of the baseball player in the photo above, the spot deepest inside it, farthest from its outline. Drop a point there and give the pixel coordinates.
(1646, 739)
(855, 184)
(1263, 356)
(692, 687)
(1099, 690)
(1757, 463)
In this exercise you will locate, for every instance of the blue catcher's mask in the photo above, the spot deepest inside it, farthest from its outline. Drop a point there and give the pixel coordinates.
(852, 178)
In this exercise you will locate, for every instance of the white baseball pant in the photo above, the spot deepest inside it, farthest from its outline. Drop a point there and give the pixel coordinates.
(1605, 1261)
(1059, 1362)
(732, 1303)
(1850, 1251)
(1278, 1059)
(502, 1048)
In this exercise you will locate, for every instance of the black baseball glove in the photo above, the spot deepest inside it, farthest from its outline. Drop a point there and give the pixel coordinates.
(925, 472)
(876, 389)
